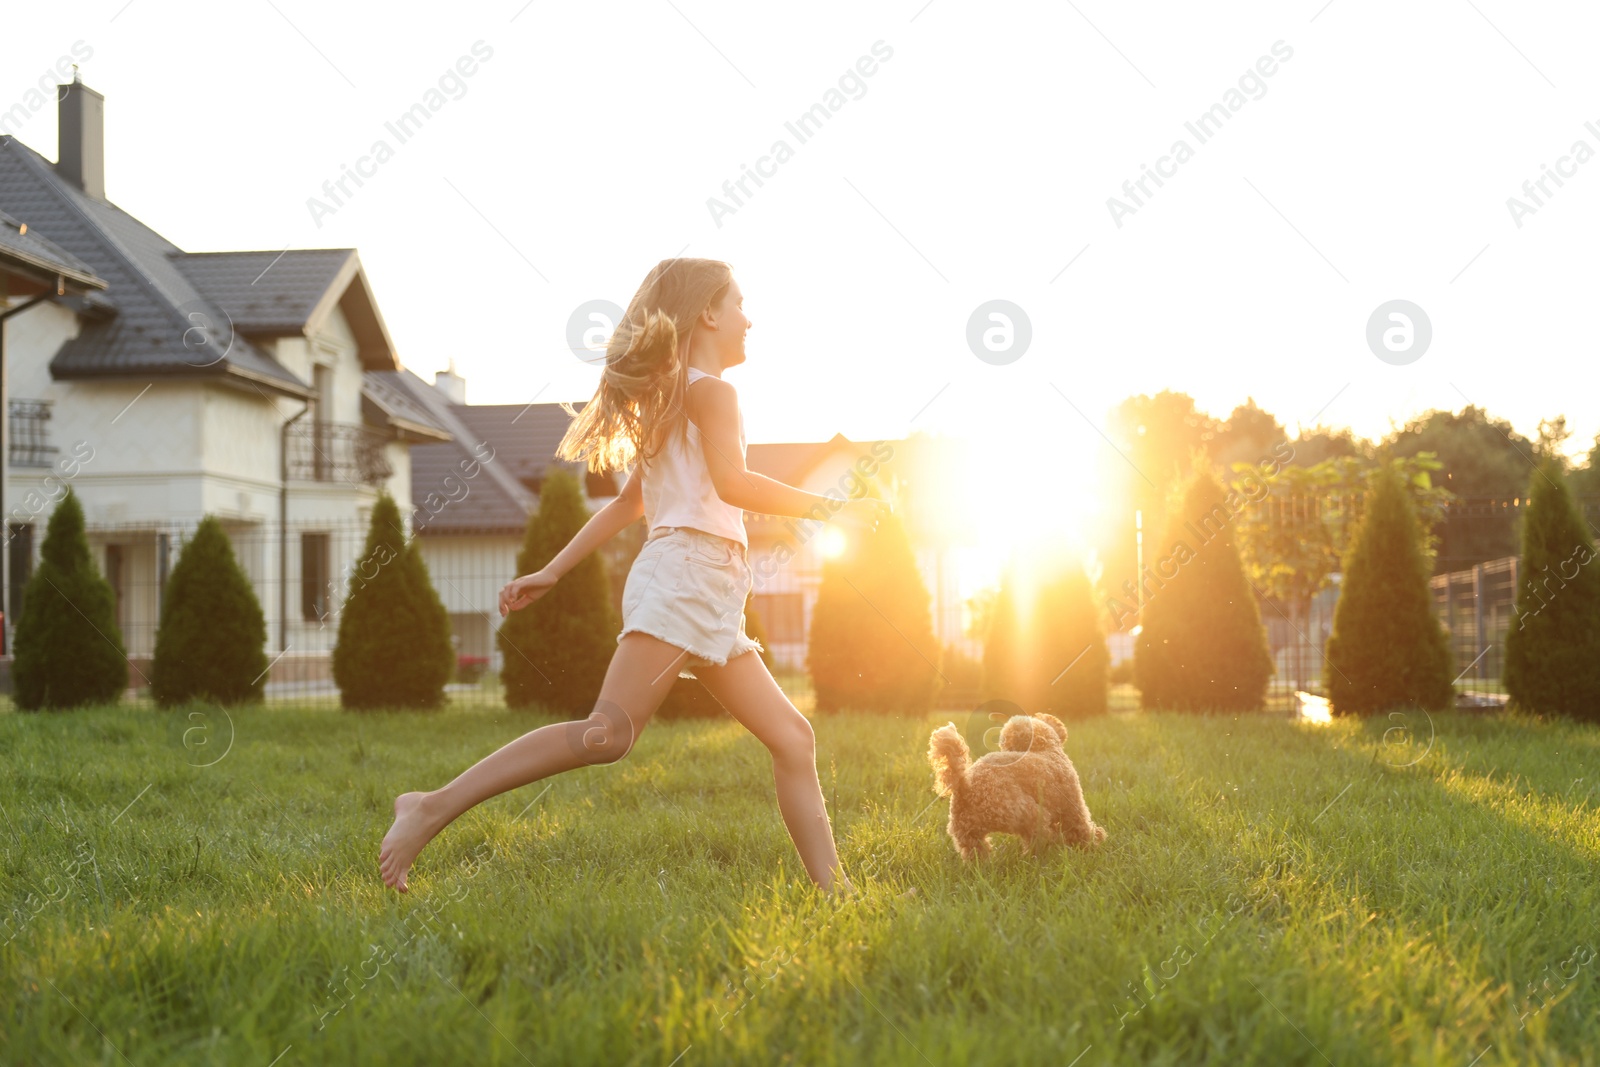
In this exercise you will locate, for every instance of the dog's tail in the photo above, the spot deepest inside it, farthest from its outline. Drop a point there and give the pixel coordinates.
(948, 752)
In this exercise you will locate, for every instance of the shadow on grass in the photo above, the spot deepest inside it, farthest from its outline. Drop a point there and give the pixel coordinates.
(1417, 893)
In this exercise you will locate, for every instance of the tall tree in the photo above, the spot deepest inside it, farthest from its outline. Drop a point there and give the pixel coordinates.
(1480, 456)
(1320, 443)
(68, 649)
(1585, 481)
(1247, 435)
(555, 651)
(1387, 649)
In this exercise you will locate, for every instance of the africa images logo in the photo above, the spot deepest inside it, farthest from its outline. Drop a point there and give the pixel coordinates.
(1206, 126)
(806, 126)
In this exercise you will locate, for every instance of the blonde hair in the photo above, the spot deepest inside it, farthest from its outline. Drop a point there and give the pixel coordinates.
(639, 401)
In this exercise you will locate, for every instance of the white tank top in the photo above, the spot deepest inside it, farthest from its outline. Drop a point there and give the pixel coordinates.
(678, 490)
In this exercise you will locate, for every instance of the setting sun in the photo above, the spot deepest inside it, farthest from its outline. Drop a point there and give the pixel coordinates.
(833, 541)
(998, 506)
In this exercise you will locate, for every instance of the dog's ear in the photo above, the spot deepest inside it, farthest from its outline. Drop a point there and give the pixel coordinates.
(1027, 733)
(1055, 724)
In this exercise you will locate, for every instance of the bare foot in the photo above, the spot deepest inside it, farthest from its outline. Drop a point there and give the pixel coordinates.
(410, 832)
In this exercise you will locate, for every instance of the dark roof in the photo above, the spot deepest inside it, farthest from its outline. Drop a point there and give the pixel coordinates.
(525, 436)
(24, 250)
(163, 324)
(387, 402)
(266, 292)
(291, 292)
(495, 501)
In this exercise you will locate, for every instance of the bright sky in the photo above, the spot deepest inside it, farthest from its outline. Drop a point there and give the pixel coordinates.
(1374, 165)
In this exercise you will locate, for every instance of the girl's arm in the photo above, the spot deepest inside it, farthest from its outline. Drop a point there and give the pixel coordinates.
(713, 406)
(602, 526)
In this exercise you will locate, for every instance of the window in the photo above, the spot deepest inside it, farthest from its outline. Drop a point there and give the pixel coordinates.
(313, 576)
(30, 436)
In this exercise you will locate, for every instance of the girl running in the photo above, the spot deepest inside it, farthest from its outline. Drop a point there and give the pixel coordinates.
(662, 400)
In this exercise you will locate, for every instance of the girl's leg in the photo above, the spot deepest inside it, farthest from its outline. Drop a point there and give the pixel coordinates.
(638, 678)
(747, 689)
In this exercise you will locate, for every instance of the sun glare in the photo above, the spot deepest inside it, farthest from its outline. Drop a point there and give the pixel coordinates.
(833, 542)
(1314, 708)
(995, 507)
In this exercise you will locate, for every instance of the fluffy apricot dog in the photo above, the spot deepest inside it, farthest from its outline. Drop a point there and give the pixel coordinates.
(1028, 788)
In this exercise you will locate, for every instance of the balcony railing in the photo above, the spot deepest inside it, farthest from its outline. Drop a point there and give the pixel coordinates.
(337, 451)
(30, 433)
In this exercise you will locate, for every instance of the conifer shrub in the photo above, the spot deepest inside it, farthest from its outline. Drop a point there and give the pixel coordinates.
(555, 651)
(1387, 649)
(1201, 646)
(964, 675)
(68, 649)
(393, 649)
(872, 646)
(1552, 650)
(212, 636)
(1046, 649)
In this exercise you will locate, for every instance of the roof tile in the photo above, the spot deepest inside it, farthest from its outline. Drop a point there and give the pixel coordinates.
(163, 323)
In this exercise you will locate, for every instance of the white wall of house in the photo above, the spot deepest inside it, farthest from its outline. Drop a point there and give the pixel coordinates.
(340, 507)
(154, 456)
(172, 450)
(31, 339)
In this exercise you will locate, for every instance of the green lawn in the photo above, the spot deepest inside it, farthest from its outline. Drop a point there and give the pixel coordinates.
(1271, 892)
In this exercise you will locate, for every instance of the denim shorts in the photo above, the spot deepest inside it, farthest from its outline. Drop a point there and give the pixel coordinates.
(688, 588)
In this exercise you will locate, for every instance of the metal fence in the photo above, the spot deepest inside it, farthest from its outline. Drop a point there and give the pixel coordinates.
(1475, 583)
(1477, 607)
(1474, 587)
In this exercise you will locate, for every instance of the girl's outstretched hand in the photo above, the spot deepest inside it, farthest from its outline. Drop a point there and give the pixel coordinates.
(520, 592)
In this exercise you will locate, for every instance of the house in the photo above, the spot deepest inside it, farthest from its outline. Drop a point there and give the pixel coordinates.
(166, 385)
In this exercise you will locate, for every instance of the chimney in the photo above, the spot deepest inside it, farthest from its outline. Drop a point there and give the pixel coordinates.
(451, 384)
(81, 137)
